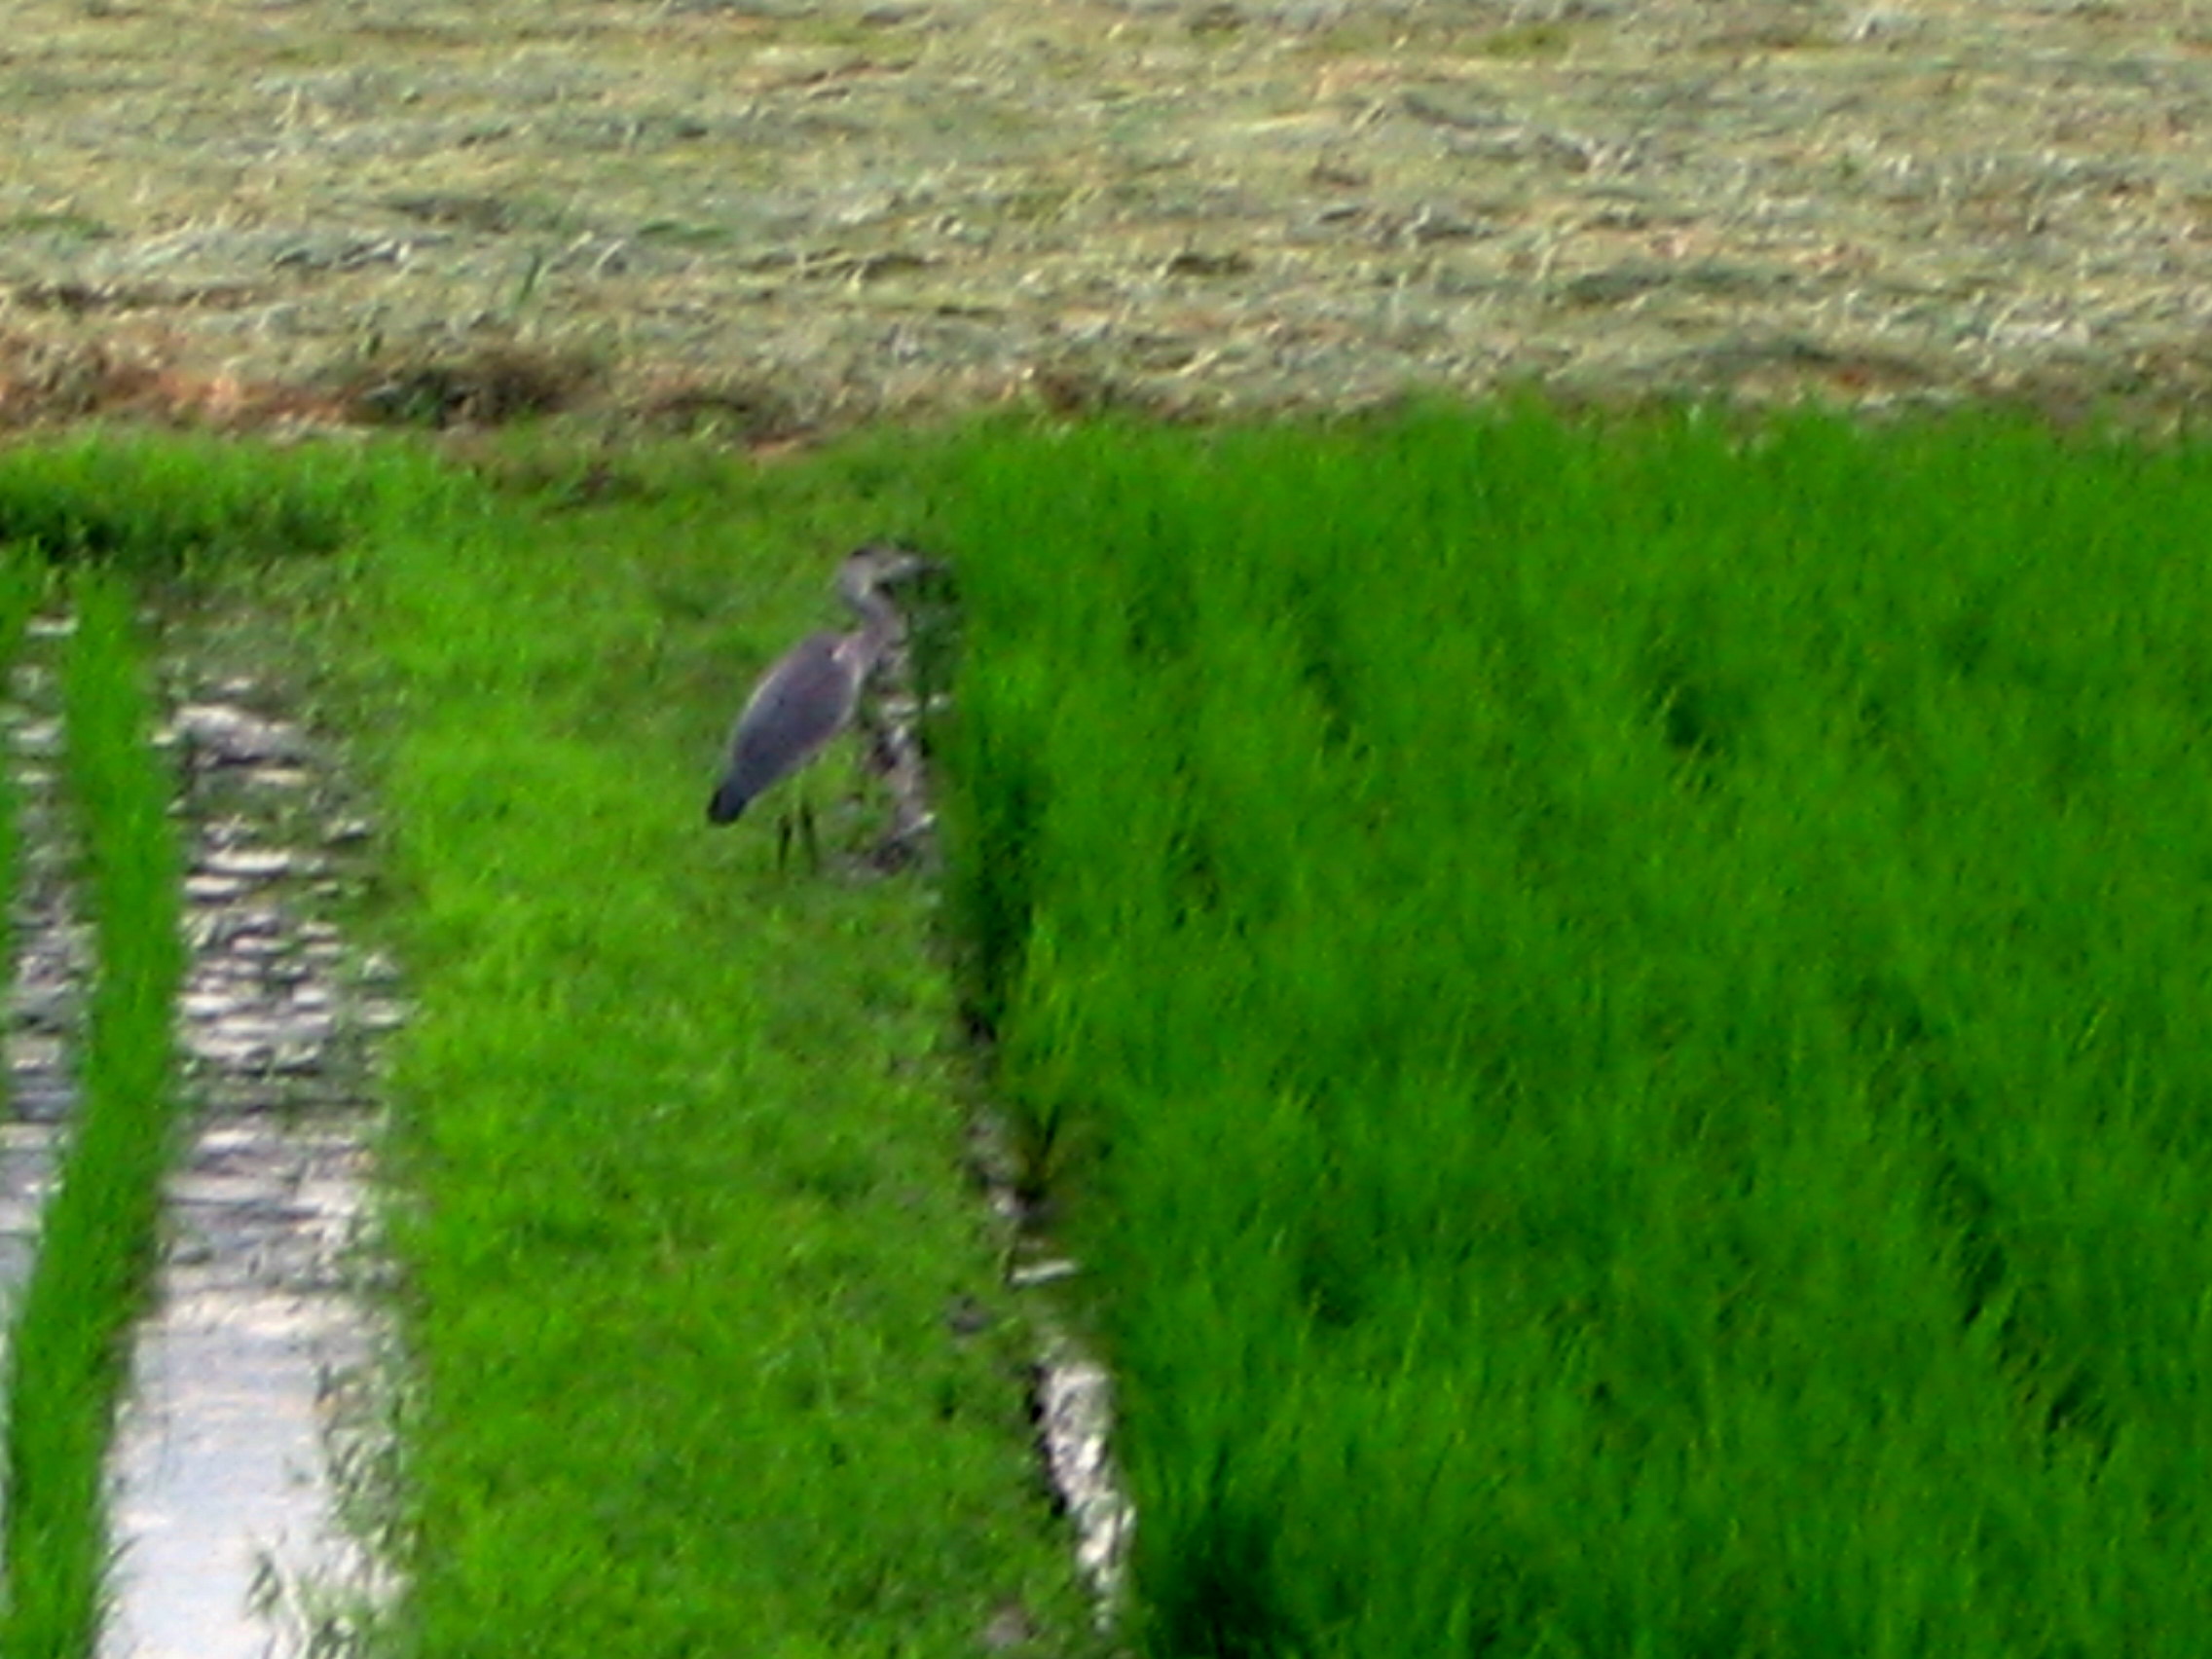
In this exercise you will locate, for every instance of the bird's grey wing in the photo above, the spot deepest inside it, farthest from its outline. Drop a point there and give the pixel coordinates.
(797, 707)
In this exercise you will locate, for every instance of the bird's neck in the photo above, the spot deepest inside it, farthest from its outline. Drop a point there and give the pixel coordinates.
(880, 621)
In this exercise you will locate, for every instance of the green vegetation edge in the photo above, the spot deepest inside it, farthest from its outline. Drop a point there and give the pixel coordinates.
(68, 1347)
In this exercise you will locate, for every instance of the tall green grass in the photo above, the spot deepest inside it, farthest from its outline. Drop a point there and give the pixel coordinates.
(1617, 1004)
(68, 1349)
(151, 501)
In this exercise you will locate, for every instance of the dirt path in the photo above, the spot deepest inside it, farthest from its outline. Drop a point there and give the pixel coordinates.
(764, 213)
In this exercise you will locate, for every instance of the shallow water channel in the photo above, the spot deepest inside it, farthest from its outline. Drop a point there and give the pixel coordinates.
(250, 1379)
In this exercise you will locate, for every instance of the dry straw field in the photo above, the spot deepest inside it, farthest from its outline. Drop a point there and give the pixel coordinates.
(767, 215)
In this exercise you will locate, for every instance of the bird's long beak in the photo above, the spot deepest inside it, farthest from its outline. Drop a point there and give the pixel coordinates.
(896, 564)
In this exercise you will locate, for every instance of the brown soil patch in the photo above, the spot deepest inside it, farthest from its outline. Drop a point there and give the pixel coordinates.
(756, 216)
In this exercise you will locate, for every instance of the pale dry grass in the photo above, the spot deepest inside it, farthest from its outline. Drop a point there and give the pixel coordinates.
(767, 215)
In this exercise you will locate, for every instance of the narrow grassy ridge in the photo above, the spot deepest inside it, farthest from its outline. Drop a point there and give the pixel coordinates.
(712, 1357)
(1618, 1008)
(151, 501)
(68, 1348)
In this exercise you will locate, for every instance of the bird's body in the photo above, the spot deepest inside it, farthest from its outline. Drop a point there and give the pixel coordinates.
(809, 693)
(804, 702)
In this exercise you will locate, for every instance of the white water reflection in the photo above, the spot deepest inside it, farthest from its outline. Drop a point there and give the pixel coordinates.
(223, 1504)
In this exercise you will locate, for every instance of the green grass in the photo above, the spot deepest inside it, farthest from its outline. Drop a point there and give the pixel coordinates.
(1616, 1005)
(68, 1348)
(679, 1204)
(158, 503)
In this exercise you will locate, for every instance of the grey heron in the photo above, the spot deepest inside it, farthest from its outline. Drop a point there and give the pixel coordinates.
(809, 693)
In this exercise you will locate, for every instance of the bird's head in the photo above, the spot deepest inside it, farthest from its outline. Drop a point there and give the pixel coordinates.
(878, 564)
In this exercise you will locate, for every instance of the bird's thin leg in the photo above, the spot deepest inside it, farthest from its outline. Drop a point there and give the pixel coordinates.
(783, 838)
(807, 830)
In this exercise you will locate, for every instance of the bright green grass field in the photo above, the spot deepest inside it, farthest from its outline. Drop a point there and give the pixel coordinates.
(1620, 1007)
(1614, 1008)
